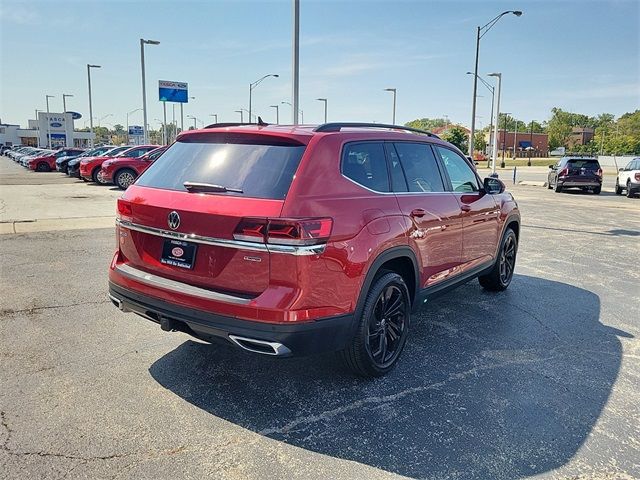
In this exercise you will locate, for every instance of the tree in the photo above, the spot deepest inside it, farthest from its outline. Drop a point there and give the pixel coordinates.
(427, 123)
(479, 142)
(458, 137)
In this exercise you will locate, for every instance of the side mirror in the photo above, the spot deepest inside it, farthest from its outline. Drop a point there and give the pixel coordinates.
(621, 169)
(551, 166)
(493, 186)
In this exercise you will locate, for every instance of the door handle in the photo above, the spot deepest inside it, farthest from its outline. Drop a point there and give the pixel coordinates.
(418, 212)
(465, 208)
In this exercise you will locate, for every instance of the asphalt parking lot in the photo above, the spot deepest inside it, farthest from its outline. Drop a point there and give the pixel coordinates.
(540, 381)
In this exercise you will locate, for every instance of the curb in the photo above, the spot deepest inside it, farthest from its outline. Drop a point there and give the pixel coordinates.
(55, 224)
(532, 183)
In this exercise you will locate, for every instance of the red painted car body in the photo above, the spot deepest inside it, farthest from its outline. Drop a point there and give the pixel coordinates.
(292, 270)
(47, 163)
(90, 167)
(111, 167)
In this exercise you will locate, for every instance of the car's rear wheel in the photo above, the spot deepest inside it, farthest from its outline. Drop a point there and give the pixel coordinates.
(382, 329)
(124, 178)
(42, 167)
(629, 192)
(97, 177)
(618, 188)
(557, 188)
(499, 278)
(597, 190)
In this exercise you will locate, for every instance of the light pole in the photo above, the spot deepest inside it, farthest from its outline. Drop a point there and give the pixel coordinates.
(254, 85)
(325, 107)
(504, 140)
(494, 152)
(277, 107)
(48, 121)
(245, 110)
(89, 67)
(182, 114)
(394, 103)
(144, 85)
(295, 63)
(241, 115)
(481, 31)
(215, 115)
(129, 113)
(493, 96)
(102, 118)
(294, 116)
(194, 121)
(64, 102)
(38, 127)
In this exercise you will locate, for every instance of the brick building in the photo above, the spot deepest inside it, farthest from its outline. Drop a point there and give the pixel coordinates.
(538, 143)
(580, 136)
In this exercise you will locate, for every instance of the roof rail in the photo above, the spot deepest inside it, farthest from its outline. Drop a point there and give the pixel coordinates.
(337, 126)
(260, 123)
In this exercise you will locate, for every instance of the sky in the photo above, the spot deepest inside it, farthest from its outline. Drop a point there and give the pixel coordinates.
(582, 56)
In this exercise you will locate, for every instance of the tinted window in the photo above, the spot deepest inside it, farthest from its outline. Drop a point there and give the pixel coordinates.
(116, 151)
(260, 171)
(462, 177)
(365, 163)
(398, 182)
(583, 163)
(420, 167)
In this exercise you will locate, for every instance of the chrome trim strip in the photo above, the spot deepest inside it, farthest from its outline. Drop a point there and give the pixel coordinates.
(221, 242)
(278, 348)
(167, 284)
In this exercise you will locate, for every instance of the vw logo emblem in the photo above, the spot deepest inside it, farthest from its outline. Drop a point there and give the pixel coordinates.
(173, 220)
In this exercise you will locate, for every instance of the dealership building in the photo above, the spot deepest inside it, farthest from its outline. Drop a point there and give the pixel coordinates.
(58, 126)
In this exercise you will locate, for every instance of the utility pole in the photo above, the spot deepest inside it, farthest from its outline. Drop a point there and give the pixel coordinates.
(530, 143)
(515, 137)
(296, 61)
(89, 67)
(277, 107)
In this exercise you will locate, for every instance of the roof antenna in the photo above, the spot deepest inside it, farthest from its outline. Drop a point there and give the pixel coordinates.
(261, 122)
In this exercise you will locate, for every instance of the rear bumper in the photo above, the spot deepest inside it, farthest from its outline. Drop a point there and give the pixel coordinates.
(634, 187)
(580, 182)
(290, 339)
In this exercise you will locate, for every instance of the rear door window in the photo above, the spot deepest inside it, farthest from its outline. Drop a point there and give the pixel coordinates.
(583, 163)
(420, 167)
(365, 164)
(259, 171)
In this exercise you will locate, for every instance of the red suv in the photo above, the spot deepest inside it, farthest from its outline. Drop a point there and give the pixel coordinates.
(124, 171)
(288, 240)
(90, 167)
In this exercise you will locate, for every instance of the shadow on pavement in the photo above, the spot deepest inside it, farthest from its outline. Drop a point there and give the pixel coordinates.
(490, 386)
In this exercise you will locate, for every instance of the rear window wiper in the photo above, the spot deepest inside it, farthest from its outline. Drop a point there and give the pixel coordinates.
(208, 187)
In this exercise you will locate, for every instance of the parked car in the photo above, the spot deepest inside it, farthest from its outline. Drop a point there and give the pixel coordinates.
(124, 171)
(73, 167)
(90, 167)
(47, 161)
(575, 172)
(26, 157)
(62, 163)
(629, 178)
(288, 240)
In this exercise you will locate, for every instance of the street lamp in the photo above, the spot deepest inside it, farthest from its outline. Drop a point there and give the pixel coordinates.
(245, 110)
(254, 85)
(182, 114)
(481, 31)
(394, 103)
(494, 152)
(504, 140)
(89, 67)
(493, 91)
(144, 42)
(64, 102)
(215, 115)
(241, 115)
(299, 111)
(129, 113)
(194, 121)
(48, 121)
(277, 107)
(325, 107)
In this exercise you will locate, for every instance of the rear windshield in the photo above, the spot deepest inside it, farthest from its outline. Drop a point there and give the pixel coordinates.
(260, 171)
(588, 164)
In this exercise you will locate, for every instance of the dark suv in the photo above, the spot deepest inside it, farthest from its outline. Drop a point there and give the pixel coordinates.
(291, 240)
(575, 172)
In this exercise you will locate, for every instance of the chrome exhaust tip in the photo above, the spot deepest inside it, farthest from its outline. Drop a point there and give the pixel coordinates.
(260, 346)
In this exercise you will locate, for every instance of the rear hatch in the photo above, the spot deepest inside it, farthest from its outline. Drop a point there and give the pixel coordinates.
(229, 177)
(586, 168)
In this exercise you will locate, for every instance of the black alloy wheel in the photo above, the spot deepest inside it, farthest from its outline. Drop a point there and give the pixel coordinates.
(387, 326)
(508, 259)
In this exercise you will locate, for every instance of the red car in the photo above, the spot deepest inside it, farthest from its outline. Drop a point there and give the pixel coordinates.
(47, 163)
(90, 167)
(124, 171)
(286, 240)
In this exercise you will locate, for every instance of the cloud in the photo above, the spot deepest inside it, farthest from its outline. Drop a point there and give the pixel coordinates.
(19, 14)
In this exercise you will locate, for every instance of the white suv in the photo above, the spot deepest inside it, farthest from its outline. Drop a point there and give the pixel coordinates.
(629, 178)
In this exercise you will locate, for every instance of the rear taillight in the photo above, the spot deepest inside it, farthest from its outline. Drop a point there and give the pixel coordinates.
(563, 172)
(124, 208)
(599, 172)
(284, 231)
(637, 176)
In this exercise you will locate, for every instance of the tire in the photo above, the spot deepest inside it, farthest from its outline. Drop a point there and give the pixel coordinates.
(597, 190)
(499, 278)
(43, 167)
(379, 340)
(558, 188)
(629, 193)
(618, 188)
(549, 186)
(95, 176)
(125, 177)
